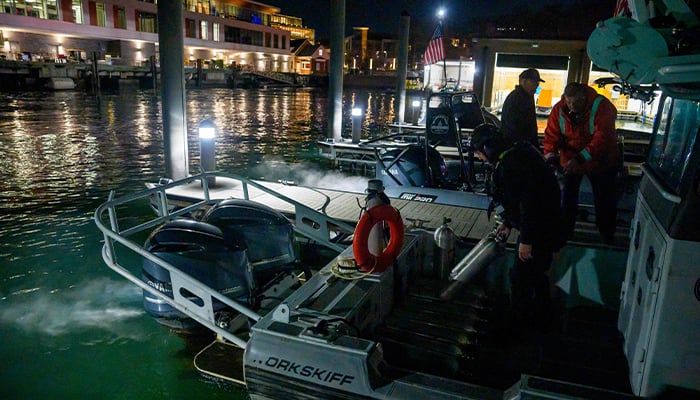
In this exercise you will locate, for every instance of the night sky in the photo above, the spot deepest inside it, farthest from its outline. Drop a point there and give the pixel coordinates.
(383, 16)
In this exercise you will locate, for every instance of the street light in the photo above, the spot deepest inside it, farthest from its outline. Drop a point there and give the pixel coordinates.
(207, 153)
(356, 124)
(415, 104)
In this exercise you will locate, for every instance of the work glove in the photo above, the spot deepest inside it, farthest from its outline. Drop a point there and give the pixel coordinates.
(552, 160)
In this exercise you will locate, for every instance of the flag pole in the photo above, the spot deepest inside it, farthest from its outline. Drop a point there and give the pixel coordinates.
(444, 58)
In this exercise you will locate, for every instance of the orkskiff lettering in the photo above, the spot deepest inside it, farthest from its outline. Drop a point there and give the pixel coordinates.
(309, 371)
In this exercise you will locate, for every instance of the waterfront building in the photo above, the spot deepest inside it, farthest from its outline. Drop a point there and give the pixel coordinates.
(294, 25)
(369, 53)
(310, 58)
(221, 32)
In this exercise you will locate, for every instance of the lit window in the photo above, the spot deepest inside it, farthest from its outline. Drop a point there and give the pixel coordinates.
(215, 31)
(203, 30)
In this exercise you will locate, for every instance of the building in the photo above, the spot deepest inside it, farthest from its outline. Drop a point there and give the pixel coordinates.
(294, 25)
(221, 32)
(310, 58)
(368, 53)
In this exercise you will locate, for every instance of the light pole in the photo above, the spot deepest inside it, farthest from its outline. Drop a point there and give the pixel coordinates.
(441, 15)
(356, 124)
(207, 153)
(415, 104)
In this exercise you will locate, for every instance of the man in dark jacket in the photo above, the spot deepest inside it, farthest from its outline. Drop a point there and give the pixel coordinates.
(528, 193)
(518, 118)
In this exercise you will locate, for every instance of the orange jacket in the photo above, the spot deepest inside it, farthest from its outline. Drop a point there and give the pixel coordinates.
(596, 147)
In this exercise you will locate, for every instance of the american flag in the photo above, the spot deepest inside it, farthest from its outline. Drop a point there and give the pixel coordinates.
(436, 50)
(622, 9)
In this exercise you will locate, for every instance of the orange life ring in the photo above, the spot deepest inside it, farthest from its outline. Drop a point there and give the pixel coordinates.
(360, 248)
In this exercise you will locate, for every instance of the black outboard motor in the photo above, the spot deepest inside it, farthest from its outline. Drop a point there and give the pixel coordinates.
(239, 249)
(266, 234)
(198, 249)
(408, 167)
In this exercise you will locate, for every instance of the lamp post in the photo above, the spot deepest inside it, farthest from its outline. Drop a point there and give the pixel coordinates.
(441, 15)
(415, 104)
(207, 153)
(356, 124)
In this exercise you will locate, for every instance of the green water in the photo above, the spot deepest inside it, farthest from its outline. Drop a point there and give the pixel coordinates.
(70, 327)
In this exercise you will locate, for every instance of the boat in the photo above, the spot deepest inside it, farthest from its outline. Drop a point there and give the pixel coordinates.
(60, 83)
(391, 325)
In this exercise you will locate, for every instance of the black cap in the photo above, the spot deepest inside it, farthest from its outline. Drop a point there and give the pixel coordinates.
(531, 74)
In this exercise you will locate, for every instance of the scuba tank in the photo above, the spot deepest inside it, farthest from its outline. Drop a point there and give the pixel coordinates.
(444, 250)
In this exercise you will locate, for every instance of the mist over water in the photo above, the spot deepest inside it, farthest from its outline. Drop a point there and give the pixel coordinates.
(96, 304)
(71, 327)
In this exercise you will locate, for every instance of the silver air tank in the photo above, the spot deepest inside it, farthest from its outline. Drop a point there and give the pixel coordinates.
(481, 256)
(444, 250)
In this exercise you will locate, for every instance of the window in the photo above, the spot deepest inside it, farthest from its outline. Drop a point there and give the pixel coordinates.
(119, 17)
(215, 32)
(100, 14)
(275, 41)
(146, 22)
(51, 9)
(671, 146)
(77, 8)
(190, 28)
(203, 30)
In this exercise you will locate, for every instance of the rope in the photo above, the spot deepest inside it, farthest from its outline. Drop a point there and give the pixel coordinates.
(350, 273)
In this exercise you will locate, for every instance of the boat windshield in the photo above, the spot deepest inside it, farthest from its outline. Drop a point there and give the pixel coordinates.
(670, 151)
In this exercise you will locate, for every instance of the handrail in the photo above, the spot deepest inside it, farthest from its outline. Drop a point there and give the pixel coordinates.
(204, 314)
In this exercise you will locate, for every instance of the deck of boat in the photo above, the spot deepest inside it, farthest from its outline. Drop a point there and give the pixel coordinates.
(468, 223)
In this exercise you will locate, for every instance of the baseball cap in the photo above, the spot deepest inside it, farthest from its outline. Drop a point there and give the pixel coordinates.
(531, 74)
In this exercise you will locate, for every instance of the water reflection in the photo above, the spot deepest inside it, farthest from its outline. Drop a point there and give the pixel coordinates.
(63, 150)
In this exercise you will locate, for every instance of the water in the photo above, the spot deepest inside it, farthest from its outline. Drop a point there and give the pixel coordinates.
(70, 327)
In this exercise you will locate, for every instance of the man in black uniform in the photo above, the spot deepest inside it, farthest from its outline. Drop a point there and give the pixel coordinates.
(518, 117)
(529, 198)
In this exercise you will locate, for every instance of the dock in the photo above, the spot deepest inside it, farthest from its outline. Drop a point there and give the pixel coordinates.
(363, 155)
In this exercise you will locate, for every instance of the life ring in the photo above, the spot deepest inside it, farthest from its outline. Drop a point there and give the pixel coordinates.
(360, 247)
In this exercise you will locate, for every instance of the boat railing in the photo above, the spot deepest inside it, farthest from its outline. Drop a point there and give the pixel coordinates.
(189, 295)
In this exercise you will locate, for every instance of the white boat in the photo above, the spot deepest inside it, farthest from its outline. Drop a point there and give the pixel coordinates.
(396, 331)
(60, 84)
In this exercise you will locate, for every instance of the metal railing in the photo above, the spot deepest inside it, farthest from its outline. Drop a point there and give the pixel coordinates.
(309, 223)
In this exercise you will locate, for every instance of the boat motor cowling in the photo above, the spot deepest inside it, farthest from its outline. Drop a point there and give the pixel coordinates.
(266, 233)
(199, 250)
(412, 166)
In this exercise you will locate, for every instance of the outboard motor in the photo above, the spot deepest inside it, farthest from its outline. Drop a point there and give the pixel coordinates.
(239, 249)
(200, 250)
(267, 235)
(410, 167)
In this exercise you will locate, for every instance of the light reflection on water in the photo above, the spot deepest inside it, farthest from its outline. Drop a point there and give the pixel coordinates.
(60, 154)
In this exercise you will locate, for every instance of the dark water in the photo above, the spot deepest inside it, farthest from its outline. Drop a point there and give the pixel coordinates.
(70, 327)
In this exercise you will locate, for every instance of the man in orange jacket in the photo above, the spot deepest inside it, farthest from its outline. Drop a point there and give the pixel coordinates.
(581, 139)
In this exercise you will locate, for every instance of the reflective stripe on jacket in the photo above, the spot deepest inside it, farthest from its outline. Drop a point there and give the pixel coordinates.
(592, 138)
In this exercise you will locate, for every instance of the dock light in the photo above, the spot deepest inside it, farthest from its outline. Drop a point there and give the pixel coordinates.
(207, 153)
(415, 104)
(356, 124)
